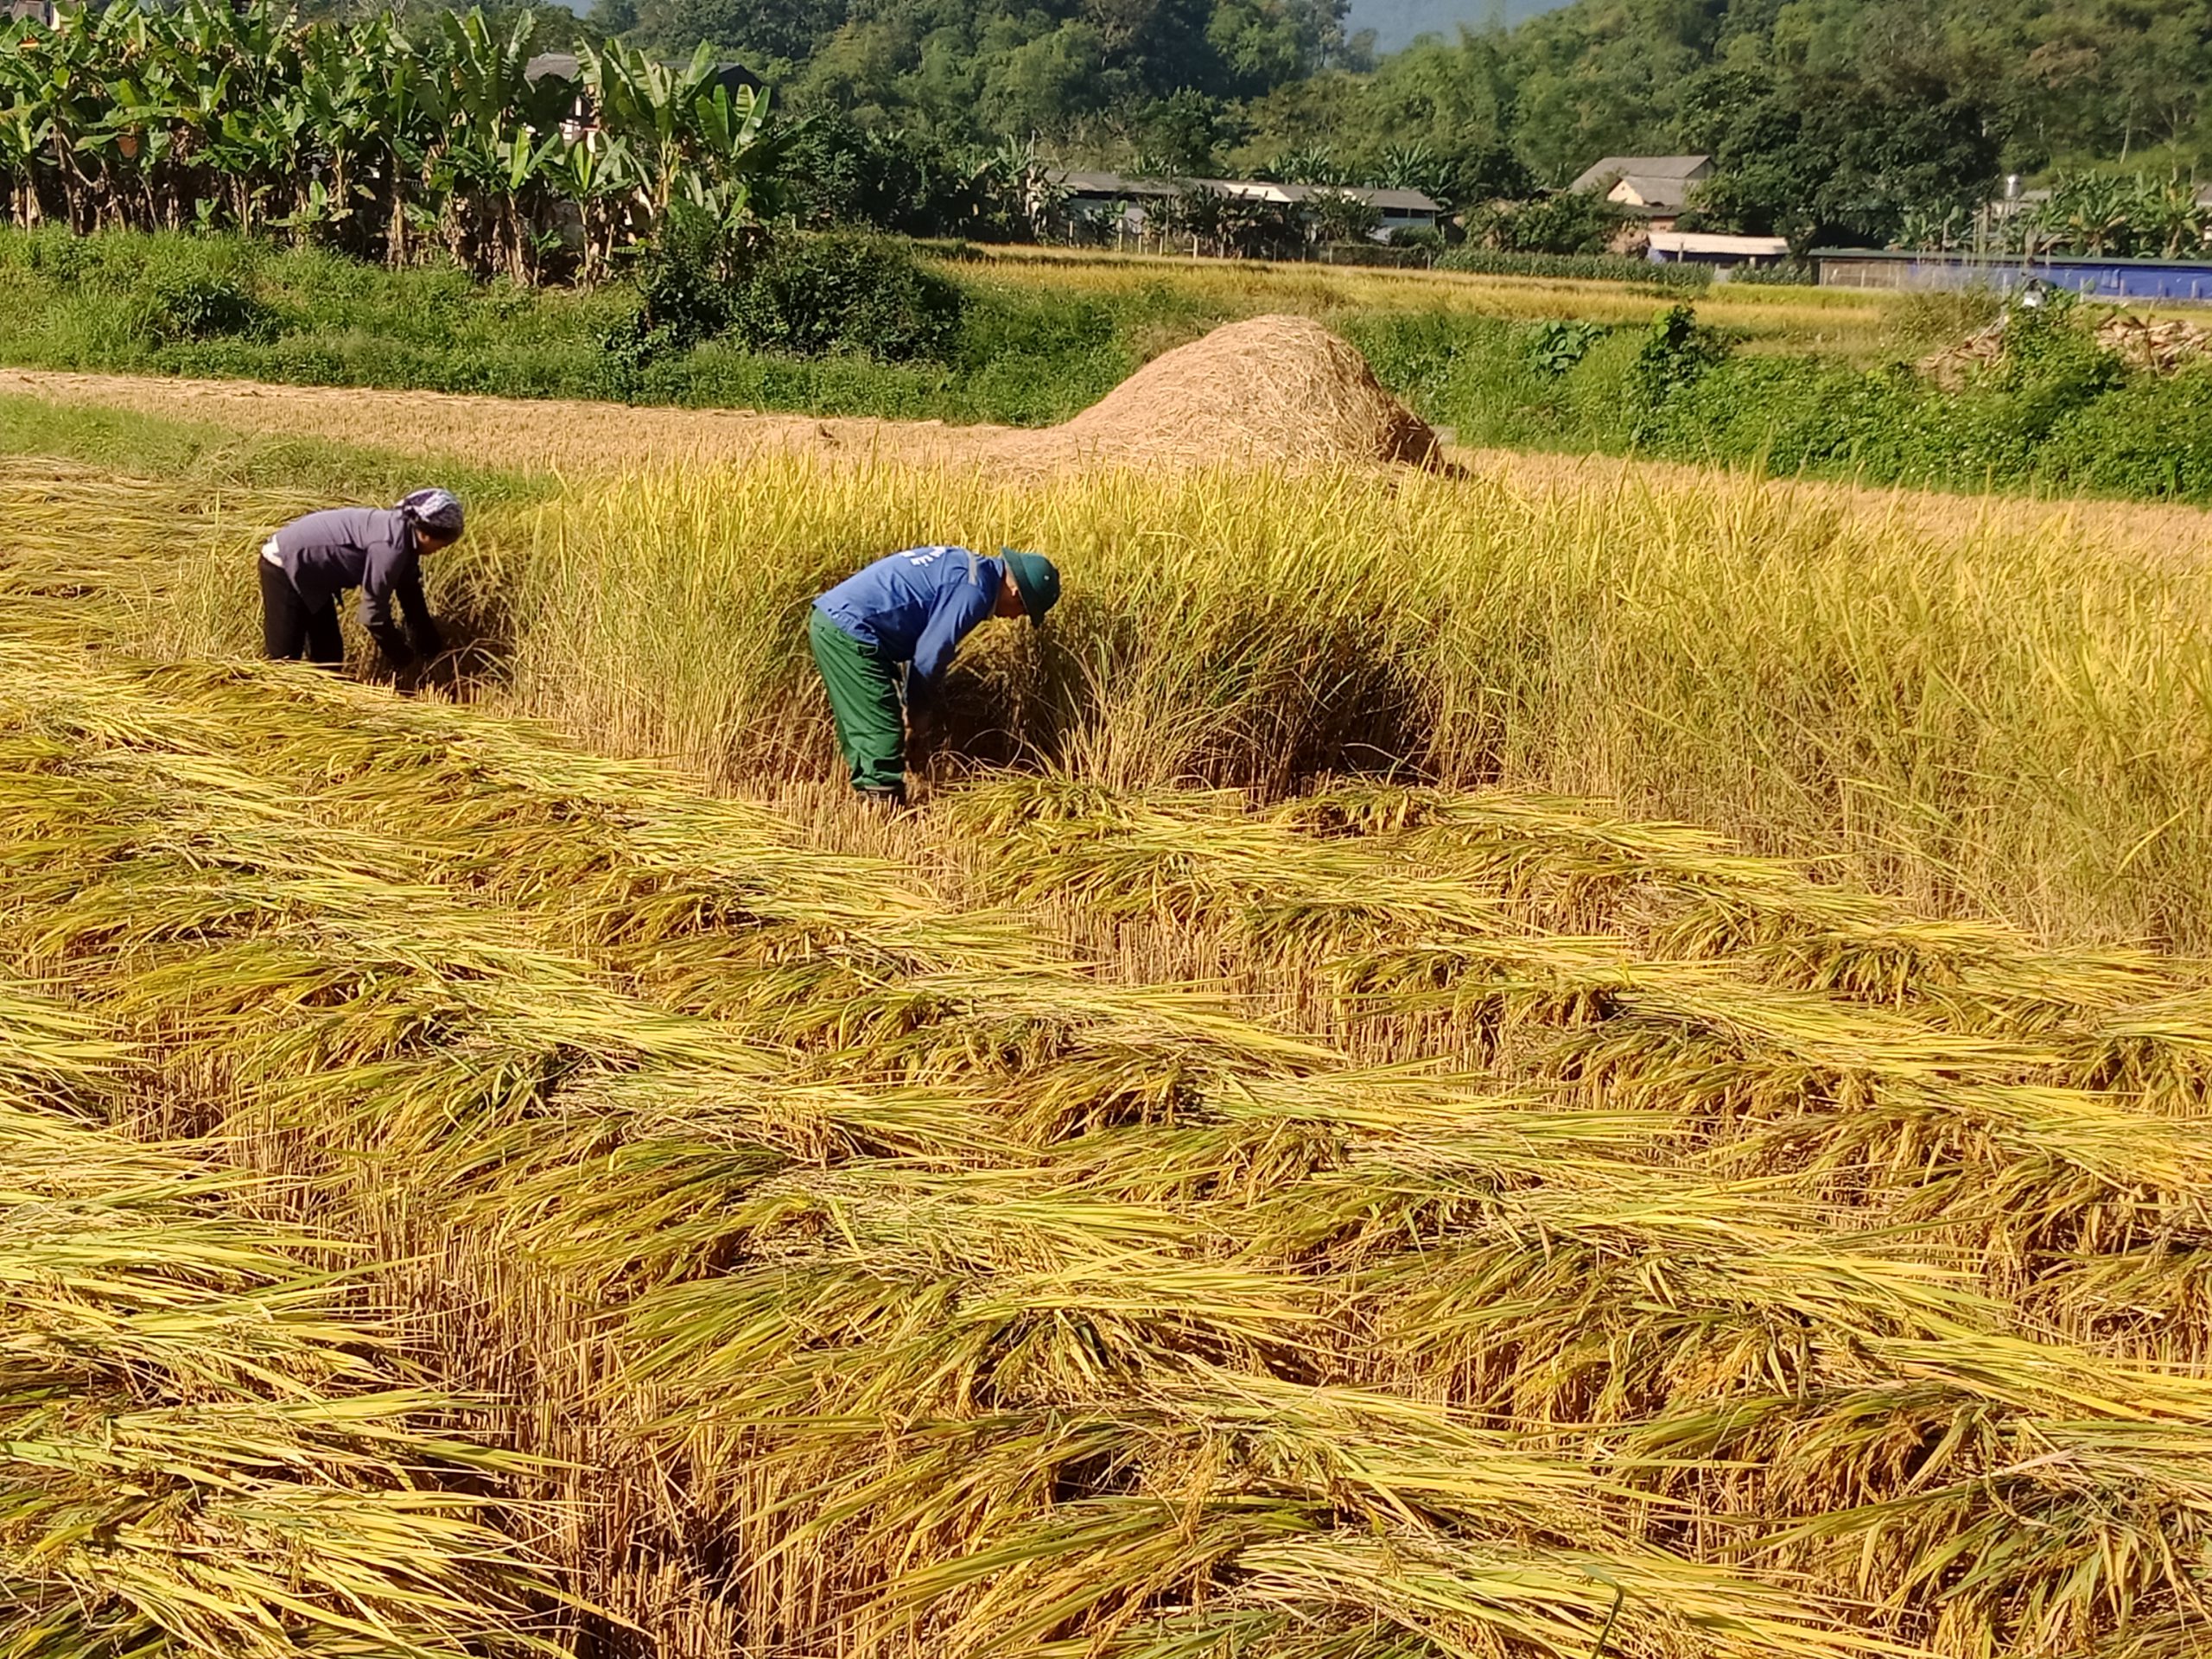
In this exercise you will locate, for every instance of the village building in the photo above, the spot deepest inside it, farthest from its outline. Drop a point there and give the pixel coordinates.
(1653, 188)
(1723, 253)
(1123, 207)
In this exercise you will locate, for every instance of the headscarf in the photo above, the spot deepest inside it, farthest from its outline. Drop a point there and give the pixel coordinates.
(436, 511)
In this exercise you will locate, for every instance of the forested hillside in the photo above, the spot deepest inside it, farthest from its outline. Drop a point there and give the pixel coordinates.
(1882, 98)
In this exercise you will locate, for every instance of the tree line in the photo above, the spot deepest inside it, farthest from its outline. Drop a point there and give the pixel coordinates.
(389, 134)
(1835, 118)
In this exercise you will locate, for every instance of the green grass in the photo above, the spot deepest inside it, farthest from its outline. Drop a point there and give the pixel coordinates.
(1812, 386)
(139, 304)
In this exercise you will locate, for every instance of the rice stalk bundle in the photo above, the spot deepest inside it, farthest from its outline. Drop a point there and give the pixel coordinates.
(206, 1443)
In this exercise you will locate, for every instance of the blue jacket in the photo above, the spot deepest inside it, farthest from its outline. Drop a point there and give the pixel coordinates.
(916, 606)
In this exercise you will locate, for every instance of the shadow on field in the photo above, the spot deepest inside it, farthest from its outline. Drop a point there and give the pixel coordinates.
(1264, 698)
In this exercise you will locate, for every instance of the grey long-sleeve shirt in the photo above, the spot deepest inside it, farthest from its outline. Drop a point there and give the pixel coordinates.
(369, 548)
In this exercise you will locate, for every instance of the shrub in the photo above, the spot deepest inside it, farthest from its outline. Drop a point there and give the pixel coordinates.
(1563, 222)
(174, 307)
(1920, 322)
(2153, 437)
(1559, 344)
(813, 295)
(1678, 350)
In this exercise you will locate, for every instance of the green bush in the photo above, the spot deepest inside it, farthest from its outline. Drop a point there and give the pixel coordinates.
(844, 292)
(177, 305)
(1569, 222)
(1557, 346)
(1673, 356)
(2151, 438)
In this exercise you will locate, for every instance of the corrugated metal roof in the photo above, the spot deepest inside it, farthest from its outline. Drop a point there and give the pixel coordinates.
(1110, 185)
(1399, 201)
(1113, 185)
(1753, 247)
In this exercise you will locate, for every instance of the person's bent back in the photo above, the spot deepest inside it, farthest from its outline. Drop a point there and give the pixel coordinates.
(307, 563)
(911, 609)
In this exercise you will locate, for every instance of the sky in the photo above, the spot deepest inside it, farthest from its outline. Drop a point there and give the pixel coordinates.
(1396, 22)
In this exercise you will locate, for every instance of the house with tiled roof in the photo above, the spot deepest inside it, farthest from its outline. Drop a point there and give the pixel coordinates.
(1654, 188)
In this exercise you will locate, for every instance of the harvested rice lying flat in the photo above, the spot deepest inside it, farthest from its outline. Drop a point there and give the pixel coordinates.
(463, 1193)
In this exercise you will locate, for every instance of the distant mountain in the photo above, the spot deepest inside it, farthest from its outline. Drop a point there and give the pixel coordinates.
(1396, 22)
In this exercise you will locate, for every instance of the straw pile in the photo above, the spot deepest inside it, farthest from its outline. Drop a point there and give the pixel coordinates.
(1279, 390)
(1272, 391)
(2140, 342)
(2162, 348)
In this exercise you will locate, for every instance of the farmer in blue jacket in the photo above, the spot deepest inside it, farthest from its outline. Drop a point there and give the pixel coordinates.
(911, 608)
(309, 563)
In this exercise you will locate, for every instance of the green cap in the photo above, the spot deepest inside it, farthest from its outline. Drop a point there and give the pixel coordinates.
(1036, 577)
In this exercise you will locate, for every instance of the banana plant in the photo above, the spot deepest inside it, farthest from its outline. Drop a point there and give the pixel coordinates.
(358, 135)
(595, 175)
(739, 156)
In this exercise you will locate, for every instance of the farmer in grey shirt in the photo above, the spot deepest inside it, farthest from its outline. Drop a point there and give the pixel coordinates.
(307, 563)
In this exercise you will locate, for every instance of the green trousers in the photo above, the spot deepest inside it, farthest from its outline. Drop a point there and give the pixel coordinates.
(863, 689)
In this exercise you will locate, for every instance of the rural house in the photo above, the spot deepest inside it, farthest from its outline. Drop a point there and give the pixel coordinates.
(1118, 205)
(1721, 253)
(1654, 188)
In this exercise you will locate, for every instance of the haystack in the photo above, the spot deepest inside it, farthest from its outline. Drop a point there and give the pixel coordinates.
(2159, 347)
(1276, 391)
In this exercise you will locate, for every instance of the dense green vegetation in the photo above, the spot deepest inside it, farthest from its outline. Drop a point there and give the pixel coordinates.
(383, 141)
(388, 134)
(2057, 413)
(839, 325)
(1849, 111)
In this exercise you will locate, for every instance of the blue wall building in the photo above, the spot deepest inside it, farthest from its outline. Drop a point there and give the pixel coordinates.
(2172, 280)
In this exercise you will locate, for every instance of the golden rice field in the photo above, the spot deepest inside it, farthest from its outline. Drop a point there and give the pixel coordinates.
(1317, 1157)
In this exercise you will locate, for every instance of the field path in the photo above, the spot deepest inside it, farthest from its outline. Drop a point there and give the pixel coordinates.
(582, 438)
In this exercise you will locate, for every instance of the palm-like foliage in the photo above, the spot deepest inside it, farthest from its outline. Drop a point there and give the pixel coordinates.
(365, 136)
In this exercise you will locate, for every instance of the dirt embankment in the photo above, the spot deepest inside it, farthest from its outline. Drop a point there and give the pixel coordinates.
(1278, 392)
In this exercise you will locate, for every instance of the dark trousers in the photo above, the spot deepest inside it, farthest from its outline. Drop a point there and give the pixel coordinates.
(293, 630)
(864, 697)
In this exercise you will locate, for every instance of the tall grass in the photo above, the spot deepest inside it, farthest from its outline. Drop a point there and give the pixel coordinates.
(1987, 715)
